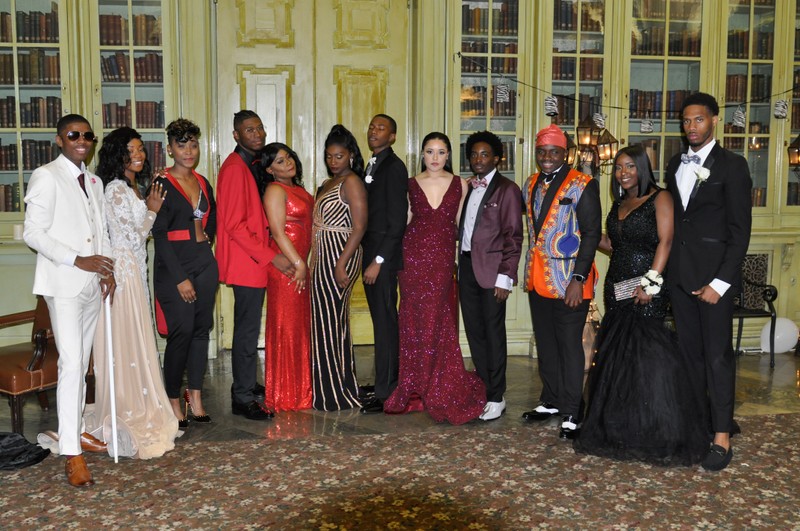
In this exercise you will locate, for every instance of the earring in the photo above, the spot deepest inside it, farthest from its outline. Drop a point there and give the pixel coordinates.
(351, 162)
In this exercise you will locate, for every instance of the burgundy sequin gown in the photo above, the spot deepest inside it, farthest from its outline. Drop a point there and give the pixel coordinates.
(287, 353)
(432, 374)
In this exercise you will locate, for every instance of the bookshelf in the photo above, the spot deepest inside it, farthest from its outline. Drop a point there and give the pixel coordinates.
(489, 68)
(129, 61)
(748, 88)
(31, 95)
(793, 175)
(665, 66)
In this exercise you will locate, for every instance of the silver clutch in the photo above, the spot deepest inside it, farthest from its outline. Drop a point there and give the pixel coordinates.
(624, 289)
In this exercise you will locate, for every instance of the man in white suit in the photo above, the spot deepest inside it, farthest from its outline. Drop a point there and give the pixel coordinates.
(65, 225)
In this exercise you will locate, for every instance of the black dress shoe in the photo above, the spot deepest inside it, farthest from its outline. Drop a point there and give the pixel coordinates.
(717, 458)
(375, 406)
(260, 391)
(542, 412)
(252, 411)
(569, 428)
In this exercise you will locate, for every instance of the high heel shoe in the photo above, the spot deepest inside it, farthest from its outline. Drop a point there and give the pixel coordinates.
(188, 408)
(183, 423)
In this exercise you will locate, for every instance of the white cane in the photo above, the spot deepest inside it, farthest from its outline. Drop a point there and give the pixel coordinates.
(110, 351)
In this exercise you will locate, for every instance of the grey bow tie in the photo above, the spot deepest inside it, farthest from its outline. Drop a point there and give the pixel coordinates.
(686, 158)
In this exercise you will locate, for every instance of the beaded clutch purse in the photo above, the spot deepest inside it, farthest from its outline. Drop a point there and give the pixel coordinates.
(624, 288)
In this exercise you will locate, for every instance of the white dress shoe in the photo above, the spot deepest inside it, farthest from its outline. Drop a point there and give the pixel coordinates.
(493, 410)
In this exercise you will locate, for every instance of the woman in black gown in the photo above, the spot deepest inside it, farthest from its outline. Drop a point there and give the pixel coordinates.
(640, 403)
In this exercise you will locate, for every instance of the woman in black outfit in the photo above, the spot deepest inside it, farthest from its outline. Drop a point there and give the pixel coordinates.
(185, 274)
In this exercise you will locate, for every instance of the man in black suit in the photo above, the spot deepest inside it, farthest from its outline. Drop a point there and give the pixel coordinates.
(387, 187)
(490, 244)
(711, 190)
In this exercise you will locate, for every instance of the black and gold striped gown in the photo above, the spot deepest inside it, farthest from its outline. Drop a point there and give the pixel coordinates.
(333, 366)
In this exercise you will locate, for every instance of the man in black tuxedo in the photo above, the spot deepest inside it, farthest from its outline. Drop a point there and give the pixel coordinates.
(387, 187)
(711, 190)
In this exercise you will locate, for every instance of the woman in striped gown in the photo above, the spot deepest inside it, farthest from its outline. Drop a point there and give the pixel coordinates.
(340, 220)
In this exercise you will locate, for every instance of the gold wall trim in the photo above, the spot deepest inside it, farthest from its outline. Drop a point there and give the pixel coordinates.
(265, 22)
(277, 117)
(361, 23)
(360, 93)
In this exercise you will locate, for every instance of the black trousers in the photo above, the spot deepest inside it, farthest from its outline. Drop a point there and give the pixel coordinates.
(188, 325)
(558, 330)
(704, 341)
(382, 301)
(248, 304)
(485, 326)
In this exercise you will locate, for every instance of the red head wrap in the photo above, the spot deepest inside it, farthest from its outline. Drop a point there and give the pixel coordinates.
(551, 135)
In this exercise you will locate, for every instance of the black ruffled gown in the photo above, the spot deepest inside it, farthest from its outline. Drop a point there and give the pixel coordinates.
(641, 405)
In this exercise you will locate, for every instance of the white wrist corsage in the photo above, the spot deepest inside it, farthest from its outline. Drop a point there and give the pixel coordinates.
(702, 175)
(652, 281)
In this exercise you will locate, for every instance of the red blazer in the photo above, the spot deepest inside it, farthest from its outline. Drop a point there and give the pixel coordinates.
(243, 253)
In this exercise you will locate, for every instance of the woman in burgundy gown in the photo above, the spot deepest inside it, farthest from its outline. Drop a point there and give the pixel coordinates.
(432, 373)
(287, 354)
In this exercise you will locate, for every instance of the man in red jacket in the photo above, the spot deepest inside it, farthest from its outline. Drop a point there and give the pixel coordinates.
(243, 256)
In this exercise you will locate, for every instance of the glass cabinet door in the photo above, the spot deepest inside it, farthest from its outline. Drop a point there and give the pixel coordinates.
(130, 62)
(793, 180)
(489, 58)
(748, 87)
(30, 94)
(665, 68)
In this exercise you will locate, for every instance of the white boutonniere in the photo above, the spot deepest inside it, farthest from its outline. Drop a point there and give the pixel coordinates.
(368, 179)
(702, 175)
(372, 160)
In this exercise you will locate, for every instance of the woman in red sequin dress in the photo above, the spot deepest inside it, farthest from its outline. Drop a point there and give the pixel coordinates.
(287, 354)
(432, 374)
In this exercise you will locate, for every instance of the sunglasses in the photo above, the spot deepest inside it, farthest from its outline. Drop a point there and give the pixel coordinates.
(73, 136)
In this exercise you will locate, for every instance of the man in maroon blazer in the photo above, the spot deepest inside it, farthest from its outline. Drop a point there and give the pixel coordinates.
(490, 235)
(243, 256)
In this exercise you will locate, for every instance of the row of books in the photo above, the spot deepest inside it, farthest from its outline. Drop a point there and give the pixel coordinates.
(759, 196)
(500, 65)
(36, 67)
(148, 68)
(40, 111)
(505, 19)
(506, 164)
(483, 47)
(587, 105)
(155, 154)
(565, 15)
(591, 68)
(653, 103)
(739, 45)
(34, 154)
(736, 87)
(793, 194)
(474, 101)
(10, 197)
(651, 41)
(114, 30)
(795, 117)
(33, 26)
(678, 9)
(672, 146)
(149, 114)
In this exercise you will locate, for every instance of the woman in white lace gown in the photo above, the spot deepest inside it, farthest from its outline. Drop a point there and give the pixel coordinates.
(146, 425)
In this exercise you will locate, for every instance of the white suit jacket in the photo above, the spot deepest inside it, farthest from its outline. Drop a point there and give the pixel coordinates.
(61, 222)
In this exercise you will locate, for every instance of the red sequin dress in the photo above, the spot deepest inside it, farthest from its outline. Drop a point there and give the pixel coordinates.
(432, 374)
(287, 345)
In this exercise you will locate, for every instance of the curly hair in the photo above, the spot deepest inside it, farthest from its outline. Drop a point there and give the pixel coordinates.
(340, 136)
(488, 137)
(270, 153)
(182, 130)
(113, 158)
(448, 167)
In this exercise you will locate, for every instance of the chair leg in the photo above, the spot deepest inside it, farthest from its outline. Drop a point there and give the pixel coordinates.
(739, 337)
(16, 413)
(773, 321)
(44, 403)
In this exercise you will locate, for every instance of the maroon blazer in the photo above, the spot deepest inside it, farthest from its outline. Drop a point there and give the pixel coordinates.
(496, 243)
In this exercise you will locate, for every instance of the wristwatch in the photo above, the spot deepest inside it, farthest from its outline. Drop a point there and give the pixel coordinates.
(378, 260)
(579, 278)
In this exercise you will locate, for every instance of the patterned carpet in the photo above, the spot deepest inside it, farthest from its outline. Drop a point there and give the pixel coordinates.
(471, 477)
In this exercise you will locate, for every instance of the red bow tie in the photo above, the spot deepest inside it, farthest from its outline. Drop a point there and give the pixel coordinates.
(479, 182)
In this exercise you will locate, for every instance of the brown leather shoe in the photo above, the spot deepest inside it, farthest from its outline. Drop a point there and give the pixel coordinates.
(78, 474)
(90, 443)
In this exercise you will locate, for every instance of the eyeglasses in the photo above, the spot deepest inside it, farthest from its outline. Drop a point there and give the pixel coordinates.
(73, 136)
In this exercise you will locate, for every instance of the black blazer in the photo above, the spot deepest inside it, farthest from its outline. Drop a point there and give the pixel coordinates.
(387, 202)
(713, 233)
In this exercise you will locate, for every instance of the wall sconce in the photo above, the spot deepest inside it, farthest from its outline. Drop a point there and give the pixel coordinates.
(572, 150)
(794, 153)
(607, 146)
(584, 132)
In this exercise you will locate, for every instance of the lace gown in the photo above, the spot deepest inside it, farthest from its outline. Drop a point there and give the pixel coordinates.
(640, 402)
(432, 374)
(146, 426)
(287, 356)
(332, 361)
